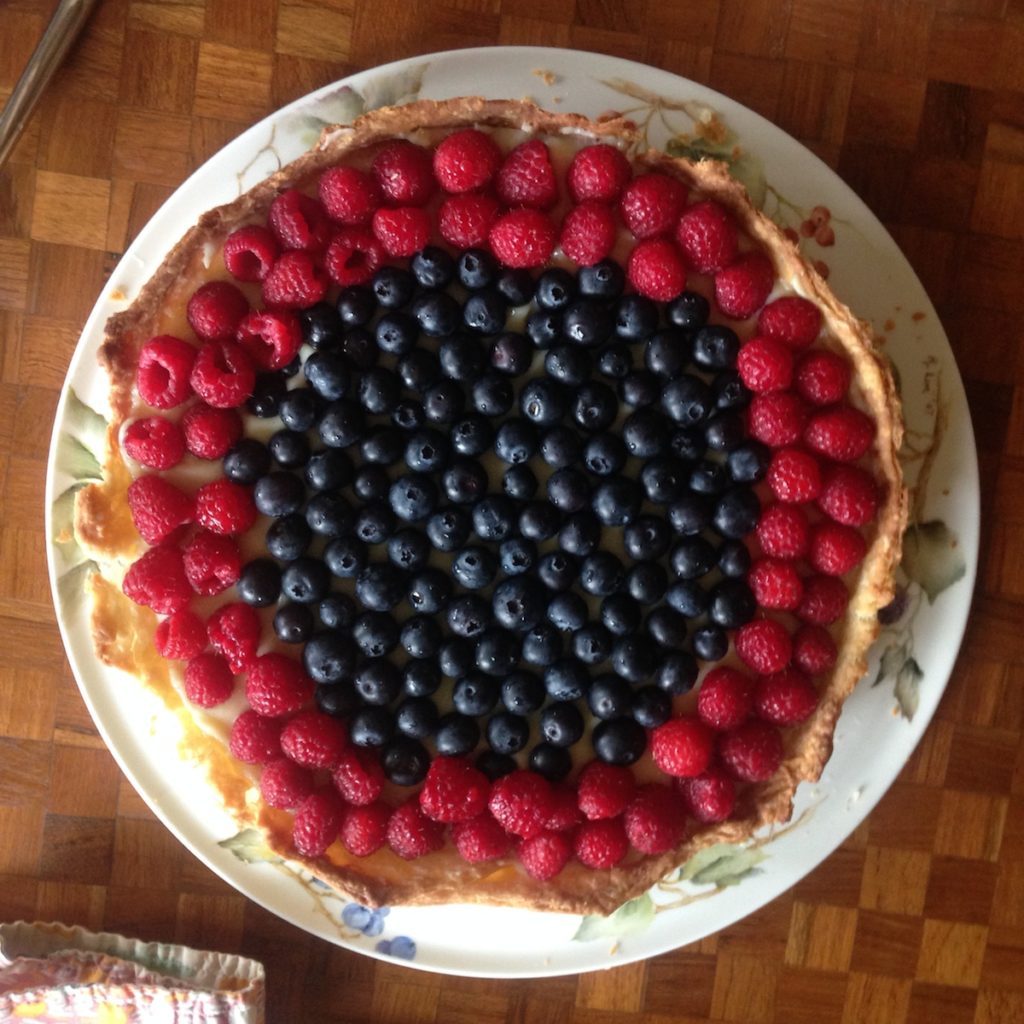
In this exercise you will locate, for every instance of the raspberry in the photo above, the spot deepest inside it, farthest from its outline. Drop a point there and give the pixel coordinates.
(154, 442)
(165, 367)
(710, 797)
(454, 790)
(783, 531)
(181, 636)
(215, 310)
(158, 508)
(404, 173)
(682, 746)
(521, 802)
(210, 433)
(480, 839)
(157, 580)
(814, 650)
(564, 813)
(353, 257)
(651, 204)
(250, 252)
(776, 420)
(604, 790)
(358, 777)
(284, 784)
(212, 564)
(791, 319)
(786, 698)
(794, 476)
(655, 269)
(707, 235)
(365, 829)
(401, 231)
(849, 495)
(841, 432)
(836, 549)
(775, 584)
(526, 177)
(742, 287)
(294, 282)
(255, 739)
(753, 752)
(271, 338)
(726, 699)
(765, 365)
(654, 819)
(223, 374)
(543, 856)
(317, 822)
(824, 601)
(299, 222)
(208, 680)
(764, 645)
(466, 160)
(588, 233)
(822, 377)
(223, 506)
(600, 844)
(523, 238)
(234, 630)
(349, 195)
(314, 740)
(599, 172)
(277, 685)
(465, 221)
(411, 833)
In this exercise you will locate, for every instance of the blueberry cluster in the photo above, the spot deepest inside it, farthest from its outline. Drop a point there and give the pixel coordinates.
(531, 493)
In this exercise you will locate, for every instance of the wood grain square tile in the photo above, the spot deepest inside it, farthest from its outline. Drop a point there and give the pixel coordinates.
(71, 901)
(1008, 903)
(10, 349)
(613, 15)
(184, 19)
(248, 26)
(895, 37)
(814, 100)
(619, 990)
(999, 1007)
(927, 765)
(961, 890)
(754, 81)
(875, 999)
(754, 30)
(999, 203)
(328, 42)
(804, 996)
(84, 782)
(982, 759)
(930, 1003)
(837, 880)
(27, 703)
(894, 880)
(558, 11)
(1004, 142)
(400, 997)
(981, 693)
(877, 174)
(159, 71)
(488, 1004)
(17, 192)
(961, 49)
(762, 933)
(696, 22)
(93, 67)
(679, 57)
(519, 31)
(232, 83)
(970, 825)
(24, 556)
(143, 913)
(887, 944)
(953, 120)
(146, 855)
(821, 937)
(14, 264)
(24, 772)
(994, 266)
(681, 983)
(210, 922)
(940, 193)
(65, 280)
(78, 137)
(22, 829)
(18, 896)
(744, 989)
(951, 953)
(892, 824)
(1003, 966)
(884, 109)
(77, 849)
(22, 31)
(152, 146)
(827, 30)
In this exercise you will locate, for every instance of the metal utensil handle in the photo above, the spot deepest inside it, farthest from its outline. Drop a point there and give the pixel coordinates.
(66, 23)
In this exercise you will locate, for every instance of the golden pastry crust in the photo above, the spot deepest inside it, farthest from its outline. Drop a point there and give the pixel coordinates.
(103, 527)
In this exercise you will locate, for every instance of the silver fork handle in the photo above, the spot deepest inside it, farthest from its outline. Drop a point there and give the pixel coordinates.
(66, 23)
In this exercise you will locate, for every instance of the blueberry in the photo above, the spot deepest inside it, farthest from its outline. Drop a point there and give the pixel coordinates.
(646, 582)
(667, 352)
(392, 287)
(580, 534)
(288, 537)
(298, 409)
(413, 497)
(663, 480)
(647, 537)
(448, 529)
(604, 454)
(519, 482)
(539, 521)
(405, 762)
(652, 706)
(636, 317)
(592, 644)
(511, 354)
(359, 347)
(497, 652)
(375, 634)
(518, 603)
(494, 765)
(421, 636)
(603, 280)
(555, 289)
(306, 580)
(619, 741)
(437, 314)
(492, 395)
(485, 311)
(557, 570)
(522, 692)
(293, 623)
(409, 549)
(382, 445)
(567, 612)
(432, 267)
(715, 347)
(690, 310)
(420, 677)
(329, 470)
(710, 643)
(338, 700)
(461, 357)
(380, 587)
(267, 394)
(692, 558)
(542, 646)
(515, 441)
(645, 434)
(725, 431)
(708, 477)
(474, 568)
(729, 391)
(278, 494)
(568, 489)
(687, 443)
(734, 559)
(736, 512)
(640, 389)
(426, 450)
(477, 268)
(615, 361)
(379, 390)
(416, 717)
(633, 658)
(688, 598)
(418, 369)
(428, 591)
(474, 694)
(356, 306)
(494, 517)
(617, 501)
(686, 399)
(561, 724)
(553, 763)
(544, 328)
(371, 483)
(690, 514)
(677, 673)
(328, 375)
(371, 727)
(259, 584)
(321, 325)
(337, 611)
(374, 523)
(456, 735)
(566, 680)
(468, 615)
(443, 402)
(609, 697)
(587, 322)
(748, 463)
(543, 401)
(517, 555)
(472, 435)
(732, 604)
(507, 733)
(620, 614)
(247, 461)
(396, 333)
(594, 406)
(516, 285)
(666, 627)
(328, 657)
(568, 364)
(377, 681)
(345, 557)
(342, 424)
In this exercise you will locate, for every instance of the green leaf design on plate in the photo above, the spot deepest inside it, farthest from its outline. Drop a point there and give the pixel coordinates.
(744, 166)
(632, 917)
(248, 846)
(722, 865)
(907, 685)
(932, 557)
(71, 584)
(891, 661)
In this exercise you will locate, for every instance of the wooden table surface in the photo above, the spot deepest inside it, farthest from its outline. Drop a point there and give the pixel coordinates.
(920, 108)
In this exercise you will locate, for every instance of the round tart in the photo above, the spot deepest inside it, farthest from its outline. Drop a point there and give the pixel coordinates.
(504, 511)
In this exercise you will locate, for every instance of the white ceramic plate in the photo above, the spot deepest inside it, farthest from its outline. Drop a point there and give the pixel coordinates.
(914, 655)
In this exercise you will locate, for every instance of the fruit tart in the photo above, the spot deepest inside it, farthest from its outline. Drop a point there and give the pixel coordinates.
(503, 510)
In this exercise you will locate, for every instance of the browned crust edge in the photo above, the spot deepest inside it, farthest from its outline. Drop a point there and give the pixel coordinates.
(443, 878)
